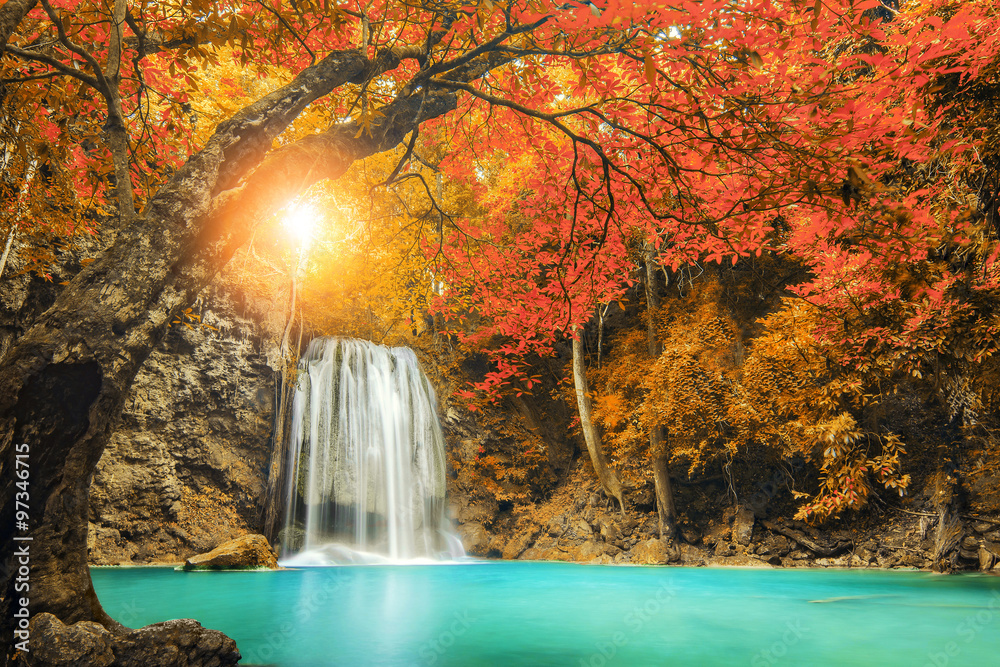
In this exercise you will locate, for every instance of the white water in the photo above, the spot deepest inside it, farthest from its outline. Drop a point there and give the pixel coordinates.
(366, 466)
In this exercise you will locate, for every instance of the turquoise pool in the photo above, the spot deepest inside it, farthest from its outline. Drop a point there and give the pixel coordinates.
(530, 613)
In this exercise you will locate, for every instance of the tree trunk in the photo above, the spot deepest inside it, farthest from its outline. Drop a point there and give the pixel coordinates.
(605, 474)
(665, 509)
(658, 452)
(63, 383)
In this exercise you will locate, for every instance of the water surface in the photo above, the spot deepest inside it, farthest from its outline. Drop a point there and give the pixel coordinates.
(531, 613)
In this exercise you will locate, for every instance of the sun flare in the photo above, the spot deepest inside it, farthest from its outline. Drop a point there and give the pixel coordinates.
(299, 222)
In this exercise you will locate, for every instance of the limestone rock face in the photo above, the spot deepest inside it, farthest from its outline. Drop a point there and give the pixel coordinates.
(249, 552)
(186, 469)
(186, 466)
(179, 643)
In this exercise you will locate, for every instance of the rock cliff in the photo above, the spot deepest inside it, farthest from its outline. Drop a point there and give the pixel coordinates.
(187, 466)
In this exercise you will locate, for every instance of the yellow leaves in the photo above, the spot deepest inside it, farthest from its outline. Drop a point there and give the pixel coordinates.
(187, 316)
(366, 120)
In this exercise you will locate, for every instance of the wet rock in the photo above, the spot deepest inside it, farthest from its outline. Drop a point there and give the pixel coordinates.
(982, 526)
(475, 538)
(970, 542)
(250, 552)
(293, 536)
(178, 643)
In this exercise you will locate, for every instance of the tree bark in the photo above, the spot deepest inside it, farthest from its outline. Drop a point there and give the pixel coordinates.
(117, 133)
(658, 451)
(11, 14)
(62, 384)
(605, 474)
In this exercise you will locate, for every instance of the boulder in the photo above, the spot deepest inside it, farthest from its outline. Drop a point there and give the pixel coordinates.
(692, 556)
(989, 555)
(591, 551)
(475, 538)
(723, 548)
(518, 543)
(179, 643)
(651, 552)
(715, 533)
(249, 552)
(743, 526)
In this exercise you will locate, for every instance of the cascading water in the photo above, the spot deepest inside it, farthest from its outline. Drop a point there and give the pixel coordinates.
(366, 463)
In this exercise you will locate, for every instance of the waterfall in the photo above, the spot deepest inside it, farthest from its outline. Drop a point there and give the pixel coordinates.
(366, 465)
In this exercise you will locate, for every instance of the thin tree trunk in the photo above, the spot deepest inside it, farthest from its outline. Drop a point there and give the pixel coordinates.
(116, 131)
(6, 250)
(605, 474)
(658, 451)
(20, 212)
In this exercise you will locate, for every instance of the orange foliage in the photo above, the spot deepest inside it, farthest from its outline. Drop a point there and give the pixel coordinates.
(786, 395)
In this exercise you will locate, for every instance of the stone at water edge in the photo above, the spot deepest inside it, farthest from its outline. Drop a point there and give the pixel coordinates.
(179, 643)
(249, 552)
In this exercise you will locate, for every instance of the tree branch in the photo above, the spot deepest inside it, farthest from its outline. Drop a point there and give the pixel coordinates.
(11, 14)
